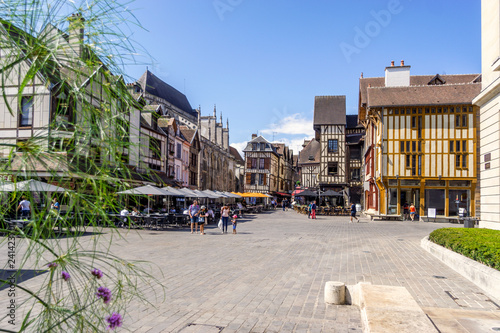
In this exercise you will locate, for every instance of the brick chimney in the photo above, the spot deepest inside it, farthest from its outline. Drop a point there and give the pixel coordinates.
(76, 33)
(254, 136)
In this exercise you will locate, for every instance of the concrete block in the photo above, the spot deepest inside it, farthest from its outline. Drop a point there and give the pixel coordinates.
(335, 292)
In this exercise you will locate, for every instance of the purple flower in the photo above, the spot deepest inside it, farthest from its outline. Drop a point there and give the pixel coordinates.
(65, 275)
(105, 293)
(115, 320)
(97, 273)
(52, 264)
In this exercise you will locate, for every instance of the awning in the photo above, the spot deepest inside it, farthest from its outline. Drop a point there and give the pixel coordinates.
(283, 194)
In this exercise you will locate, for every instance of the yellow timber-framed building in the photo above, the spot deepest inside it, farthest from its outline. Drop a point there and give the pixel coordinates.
(425, 142)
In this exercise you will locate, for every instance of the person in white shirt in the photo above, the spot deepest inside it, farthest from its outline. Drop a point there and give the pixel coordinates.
(25, 207)
(124, 212)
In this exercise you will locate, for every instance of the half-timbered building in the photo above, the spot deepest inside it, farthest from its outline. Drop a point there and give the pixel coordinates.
(355, 133)
(421, 141)
(308, 163)
(262, 163)
(330, 132)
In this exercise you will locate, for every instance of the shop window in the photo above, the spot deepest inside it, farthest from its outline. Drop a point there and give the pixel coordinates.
(435, 183)
(393, 182)
(460, 183)
(435, 199)
(458, 199)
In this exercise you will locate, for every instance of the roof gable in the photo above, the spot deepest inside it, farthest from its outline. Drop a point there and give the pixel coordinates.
(329, 110)
(153, 85)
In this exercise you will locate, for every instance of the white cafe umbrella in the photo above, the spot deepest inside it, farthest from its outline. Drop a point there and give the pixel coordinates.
(146, 190)
(31, 185)
(212, 194)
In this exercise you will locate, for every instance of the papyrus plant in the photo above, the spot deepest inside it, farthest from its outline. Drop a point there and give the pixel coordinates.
(72, 123)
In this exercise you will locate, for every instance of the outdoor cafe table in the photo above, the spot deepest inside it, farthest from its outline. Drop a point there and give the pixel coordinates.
(21, 224)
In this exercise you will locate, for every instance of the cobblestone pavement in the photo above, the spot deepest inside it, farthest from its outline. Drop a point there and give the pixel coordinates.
(270, 276)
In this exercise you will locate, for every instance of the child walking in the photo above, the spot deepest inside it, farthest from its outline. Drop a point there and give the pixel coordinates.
(234, 223)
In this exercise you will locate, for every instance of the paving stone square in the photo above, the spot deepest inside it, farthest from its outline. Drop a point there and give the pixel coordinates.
(270, 276)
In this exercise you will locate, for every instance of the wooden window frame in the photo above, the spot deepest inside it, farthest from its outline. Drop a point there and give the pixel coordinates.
(334, 148)
(332, 165)
(30, 101)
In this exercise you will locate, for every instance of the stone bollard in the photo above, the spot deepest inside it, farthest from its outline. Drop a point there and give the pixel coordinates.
(335, 292)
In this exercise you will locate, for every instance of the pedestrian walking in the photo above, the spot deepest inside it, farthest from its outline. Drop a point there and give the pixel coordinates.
(202, 219)
(234, 223)
(406, 212)
(309, 208)
(25, 207)
(413, 212)
(224, 212)
(283, 204)
(194, 211)
(313, 210)
(353, 212)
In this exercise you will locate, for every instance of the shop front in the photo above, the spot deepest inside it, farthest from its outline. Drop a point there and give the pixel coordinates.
(447, 197)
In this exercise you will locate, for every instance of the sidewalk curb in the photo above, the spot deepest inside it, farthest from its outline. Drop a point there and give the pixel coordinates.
(481, 275)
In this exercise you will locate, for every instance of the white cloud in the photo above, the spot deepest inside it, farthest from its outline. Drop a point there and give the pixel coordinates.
(295, 143)
(295, 124)
(239, 146)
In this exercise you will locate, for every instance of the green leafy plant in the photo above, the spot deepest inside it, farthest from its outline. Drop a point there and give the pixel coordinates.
(482, 245)
(61, 76)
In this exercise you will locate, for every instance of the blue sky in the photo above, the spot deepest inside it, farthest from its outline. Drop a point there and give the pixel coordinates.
(262, 62)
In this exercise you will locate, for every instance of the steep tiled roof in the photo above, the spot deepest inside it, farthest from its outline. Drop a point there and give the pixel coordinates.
(329, 110)
(234, 152)
(155, 86)
(187, 132)
(415, 80)
(311, 150)
(423, 95)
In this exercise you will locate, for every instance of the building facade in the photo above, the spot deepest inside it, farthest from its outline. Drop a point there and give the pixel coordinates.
(308, 164)
(262, 166)
(489, 125)
(421, 134)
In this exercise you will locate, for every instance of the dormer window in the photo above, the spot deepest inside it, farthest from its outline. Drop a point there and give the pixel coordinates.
(254, 146)
(262, 146)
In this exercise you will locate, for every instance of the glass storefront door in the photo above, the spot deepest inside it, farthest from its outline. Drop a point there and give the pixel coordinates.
(435, 199)
(458, 199)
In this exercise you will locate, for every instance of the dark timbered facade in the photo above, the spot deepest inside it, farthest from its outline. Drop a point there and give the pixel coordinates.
(261, 166)
(330, 127)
